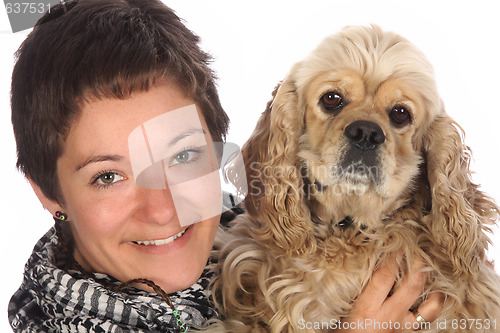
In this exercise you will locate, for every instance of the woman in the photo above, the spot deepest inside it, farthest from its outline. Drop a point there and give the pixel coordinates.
(121, 256)
(76, 96)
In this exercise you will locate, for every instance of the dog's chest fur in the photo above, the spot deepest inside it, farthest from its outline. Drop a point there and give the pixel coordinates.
(344, 261)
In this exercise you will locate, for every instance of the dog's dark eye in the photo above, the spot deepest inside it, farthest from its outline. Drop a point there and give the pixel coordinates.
(400, 116)
(332, 101)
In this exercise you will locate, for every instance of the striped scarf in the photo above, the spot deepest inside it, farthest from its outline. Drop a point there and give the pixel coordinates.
(51, 299)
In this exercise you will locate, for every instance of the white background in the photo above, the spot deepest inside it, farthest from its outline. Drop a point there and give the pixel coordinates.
(254, 44)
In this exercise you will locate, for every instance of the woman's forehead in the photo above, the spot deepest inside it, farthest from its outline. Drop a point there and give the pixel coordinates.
(104, 125)
(115, 116)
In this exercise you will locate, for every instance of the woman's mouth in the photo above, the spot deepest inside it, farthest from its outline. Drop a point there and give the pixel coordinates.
(158, 242)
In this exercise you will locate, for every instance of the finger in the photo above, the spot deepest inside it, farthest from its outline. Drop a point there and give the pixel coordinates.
(410, 289)
(428, 310)
(431, 307)
(380, 284)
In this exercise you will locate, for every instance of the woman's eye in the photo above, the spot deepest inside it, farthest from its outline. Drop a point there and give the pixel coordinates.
(107, 178)
(184, 156)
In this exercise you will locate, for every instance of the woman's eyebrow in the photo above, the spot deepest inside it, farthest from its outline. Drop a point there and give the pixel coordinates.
(98, 158)
(185, 134)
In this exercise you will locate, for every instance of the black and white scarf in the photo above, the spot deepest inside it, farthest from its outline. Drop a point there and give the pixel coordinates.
(51, 299)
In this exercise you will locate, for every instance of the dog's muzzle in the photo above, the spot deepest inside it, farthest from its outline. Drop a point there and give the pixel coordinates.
(364, 139)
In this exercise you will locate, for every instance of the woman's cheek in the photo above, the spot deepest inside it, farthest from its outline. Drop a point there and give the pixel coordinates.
(103, 213)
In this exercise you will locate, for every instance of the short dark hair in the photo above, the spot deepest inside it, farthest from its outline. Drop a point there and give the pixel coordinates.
(100, 48)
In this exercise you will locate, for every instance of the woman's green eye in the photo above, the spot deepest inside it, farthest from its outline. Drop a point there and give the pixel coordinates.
(182, 157)
(185, 156)
(107, 178)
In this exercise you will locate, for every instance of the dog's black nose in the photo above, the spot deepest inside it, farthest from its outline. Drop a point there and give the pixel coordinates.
(365, 135)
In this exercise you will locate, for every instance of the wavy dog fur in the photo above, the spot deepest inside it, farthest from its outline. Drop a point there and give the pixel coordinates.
(288, 259)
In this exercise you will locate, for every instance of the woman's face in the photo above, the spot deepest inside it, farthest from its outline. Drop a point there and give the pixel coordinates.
(111, 217)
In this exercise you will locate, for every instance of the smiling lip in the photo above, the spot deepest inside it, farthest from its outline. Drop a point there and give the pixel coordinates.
(159, 242)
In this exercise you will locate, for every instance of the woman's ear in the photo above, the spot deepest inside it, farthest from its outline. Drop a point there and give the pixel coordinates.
(51, 205)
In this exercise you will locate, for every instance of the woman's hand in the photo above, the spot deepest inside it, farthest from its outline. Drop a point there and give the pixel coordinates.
(391, 313)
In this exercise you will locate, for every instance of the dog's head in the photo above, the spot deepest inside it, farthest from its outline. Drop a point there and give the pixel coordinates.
(366, 100)
(349, 132)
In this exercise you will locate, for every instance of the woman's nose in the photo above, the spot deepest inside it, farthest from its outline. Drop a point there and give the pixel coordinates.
(155, 206)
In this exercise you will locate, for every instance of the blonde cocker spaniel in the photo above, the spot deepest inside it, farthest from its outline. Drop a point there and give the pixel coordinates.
(354, 160)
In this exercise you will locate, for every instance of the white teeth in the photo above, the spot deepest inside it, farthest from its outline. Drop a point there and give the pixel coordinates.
(161, 241)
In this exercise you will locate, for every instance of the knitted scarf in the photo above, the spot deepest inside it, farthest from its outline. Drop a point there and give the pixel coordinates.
(51, 299)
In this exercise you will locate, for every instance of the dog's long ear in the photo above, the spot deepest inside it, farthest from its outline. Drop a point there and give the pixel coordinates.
(460, 213)
(275, 189)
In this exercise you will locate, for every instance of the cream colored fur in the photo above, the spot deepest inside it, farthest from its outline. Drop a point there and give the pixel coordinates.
(287, 261)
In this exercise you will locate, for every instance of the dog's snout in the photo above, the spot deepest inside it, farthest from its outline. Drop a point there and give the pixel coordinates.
(365, 135)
